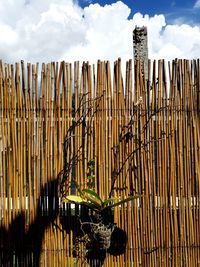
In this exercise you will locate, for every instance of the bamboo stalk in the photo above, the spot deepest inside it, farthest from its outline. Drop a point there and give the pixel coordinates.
(160, 160)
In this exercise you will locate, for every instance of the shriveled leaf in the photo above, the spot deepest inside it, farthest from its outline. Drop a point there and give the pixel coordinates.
(123, 201)
(80, 201)
(74, 199)
(92, 196)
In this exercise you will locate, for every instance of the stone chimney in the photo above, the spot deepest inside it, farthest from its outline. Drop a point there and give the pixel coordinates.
(140, 47)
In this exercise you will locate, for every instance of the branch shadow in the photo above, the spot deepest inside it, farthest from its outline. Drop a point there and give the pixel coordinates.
(20, 246)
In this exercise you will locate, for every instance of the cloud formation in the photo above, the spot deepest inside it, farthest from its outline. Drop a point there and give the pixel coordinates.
(170, 41)
(197, 4)
(42, 31)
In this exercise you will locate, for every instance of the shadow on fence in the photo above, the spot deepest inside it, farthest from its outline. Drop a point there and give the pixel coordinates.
(144, 137)
(21, 247)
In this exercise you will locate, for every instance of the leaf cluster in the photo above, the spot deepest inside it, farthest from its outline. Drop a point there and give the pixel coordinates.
(93, 201)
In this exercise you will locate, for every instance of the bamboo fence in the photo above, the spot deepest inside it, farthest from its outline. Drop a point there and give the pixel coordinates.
(142, 132)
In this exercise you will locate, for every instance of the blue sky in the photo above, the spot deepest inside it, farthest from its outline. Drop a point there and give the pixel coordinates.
(181, 11)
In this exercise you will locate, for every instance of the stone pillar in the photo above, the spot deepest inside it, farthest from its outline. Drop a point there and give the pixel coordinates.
(140, 47)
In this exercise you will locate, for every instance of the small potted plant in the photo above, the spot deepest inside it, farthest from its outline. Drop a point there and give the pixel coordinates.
(98, 228)
(101, 223)
(101, 227)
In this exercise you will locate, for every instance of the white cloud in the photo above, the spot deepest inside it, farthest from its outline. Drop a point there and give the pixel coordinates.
(44, 30)
(170, 41)
(197, 4)
(108, 33)
(40, 30)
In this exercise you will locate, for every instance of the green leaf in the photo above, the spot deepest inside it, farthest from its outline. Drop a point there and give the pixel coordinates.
(123, 201)
(91, 176)
(91, 168)
(113, 199)
(91, 162)
(91, 206)
(92, 196)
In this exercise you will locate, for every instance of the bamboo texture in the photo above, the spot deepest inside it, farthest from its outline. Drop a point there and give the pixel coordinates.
(142, 132)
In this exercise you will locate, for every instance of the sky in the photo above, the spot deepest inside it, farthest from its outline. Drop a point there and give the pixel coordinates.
(56, 30)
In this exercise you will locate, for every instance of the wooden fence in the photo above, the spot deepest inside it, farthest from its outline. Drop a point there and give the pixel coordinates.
(142, 132)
